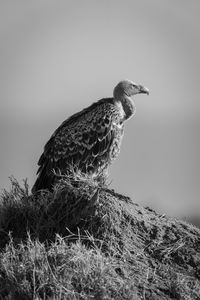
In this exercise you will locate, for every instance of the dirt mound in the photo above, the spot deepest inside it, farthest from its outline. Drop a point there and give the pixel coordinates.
(153, 256)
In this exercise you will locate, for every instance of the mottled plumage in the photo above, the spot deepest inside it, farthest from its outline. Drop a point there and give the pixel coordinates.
(90, 139)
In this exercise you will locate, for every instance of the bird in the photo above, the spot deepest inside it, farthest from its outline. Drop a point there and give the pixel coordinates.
(89, 140)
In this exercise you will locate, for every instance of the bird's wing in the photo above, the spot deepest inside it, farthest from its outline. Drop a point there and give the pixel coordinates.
(80, 140)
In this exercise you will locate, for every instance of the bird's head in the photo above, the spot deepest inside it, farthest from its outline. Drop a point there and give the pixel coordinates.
(128, 88)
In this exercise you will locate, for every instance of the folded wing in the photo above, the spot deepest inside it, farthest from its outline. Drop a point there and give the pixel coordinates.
(82, 142)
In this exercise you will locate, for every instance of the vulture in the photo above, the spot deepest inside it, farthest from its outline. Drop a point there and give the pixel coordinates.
(89, 140)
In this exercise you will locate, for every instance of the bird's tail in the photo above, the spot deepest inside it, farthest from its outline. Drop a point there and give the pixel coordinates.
(45, 181)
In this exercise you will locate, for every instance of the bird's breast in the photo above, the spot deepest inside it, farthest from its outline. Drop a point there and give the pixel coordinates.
(120, 109)
(118, 131)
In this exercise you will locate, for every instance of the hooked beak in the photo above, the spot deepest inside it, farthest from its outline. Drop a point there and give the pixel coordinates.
(143, 90)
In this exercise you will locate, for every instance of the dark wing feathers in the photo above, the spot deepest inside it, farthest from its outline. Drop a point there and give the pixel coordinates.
(78, 140)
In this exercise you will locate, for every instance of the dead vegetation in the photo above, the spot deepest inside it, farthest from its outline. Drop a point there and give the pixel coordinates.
(83, 241)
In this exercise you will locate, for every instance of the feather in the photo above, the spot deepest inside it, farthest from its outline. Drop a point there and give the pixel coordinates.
(82, 140)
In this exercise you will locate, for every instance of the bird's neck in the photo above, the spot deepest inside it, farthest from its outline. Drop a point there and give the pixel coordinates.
(128, 106)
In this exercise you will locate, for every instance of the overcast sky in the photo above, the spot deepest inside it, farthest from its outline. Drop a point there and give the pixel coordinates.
(57, 57)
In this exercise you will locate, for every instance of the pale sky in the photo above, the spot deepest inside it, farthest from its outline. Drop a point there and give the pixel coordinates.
(57, 57)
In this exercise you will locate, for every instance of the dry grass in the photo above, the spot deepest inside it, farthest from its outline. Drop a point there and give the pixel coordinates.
(60, 271)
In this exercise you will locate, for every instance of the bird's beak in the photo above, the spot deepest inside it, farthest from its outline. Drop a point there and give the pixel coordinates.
(143, 90)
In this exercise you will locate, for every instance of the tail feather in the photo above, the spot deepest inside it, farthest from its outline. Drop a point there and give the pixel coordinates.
(44, 181)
